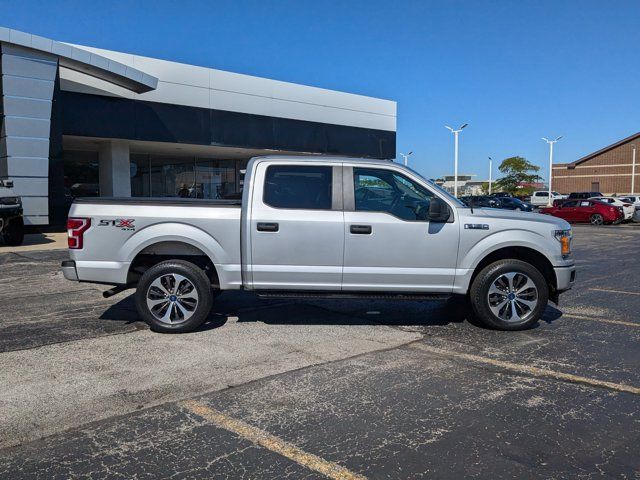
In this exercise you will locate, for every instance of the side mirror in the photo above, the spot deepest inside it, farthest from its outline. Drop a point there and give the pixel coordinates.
(438, 211)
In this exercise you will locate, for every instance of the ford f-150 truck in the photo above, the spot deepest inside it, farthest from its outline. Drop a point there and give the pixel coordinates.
(315, 226)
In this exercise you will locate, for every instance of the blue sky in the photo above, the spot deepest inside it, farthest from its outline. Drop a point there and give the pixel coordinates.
(515, 71)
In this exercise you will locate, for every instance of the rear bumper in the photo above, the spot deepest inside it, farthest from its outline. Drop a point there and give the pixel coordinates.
(69, 270)
(565, 277)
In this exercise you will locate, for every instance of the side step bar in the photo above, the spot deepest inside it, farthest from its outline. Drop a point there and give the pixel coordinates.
(352, 295)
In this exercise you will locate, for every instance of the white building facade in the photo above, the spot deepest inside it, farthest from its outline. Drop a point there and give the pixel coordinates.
(81, 121)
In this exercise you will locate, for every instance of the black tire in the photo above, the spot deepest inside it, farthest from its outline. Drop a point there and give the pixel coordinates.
(176, 294)
(13, 233)
(499, 271)
(596, 219)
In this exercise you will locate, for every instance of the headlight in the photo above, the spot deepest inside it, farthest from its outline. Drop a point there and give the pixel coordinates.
(564, 237)
(10, 200)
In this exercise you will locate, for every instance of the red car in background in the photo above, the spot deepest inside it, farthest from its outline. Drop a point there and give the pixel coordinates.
(585, 211)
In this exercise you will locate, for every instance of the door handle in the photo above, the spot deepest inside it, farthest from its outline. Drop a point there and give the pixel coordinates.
(268, 227)
(360, 229)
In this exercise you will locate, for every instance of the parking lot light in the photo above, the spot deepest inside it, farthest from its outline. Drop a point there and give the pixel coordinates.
(550, 142)
(455, 156)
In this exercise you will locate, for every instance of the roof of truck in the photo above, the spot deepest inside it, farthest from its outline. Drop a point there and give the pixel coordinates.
(332, 158)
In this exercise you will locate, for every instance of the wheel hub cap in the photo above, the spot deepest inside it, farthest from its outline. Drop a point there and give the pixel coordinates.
(513, 297)
(172, 298)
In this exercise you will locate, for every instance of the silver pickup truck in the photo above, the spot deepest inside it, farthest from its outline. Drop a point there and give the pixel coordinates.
(315, 226)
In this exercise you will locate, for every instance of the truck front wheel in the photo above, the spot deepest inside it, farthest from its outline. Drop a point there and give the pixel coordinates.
(174, 296)
(13, 233)
(509, 295)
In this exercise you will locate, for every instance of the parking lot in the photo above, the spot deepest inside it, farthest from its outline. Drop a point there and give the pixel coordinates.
(321, 388)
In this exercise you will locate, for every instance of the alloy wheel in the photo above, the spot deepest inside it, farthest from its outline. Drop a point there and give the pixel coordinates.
(513, 297)
(172, 298)
(596, 219)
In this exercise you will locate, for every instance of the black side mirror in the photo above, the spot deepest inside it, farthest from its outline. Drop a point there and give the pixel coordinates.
(438, 211)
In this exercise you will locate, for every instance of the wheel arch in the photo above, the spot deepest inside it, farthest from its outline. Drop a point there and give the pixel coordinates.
(526, 254)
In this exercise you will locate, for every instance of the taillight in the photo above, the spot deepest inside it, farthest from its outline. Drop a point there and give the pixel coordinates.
(626, 205)
(75, 231)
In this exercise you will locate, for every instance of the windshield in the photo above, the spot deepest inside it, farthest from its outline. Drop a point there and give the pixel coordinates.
(440, 190)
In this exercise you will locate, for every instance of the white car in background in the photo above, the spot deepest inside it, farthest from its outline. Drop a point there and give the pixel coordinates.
(541, 198)
(627, 208)
(633, 199)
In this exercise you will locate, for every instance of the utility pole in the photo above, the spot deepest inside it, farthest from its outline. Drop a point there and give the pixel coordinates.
(633, 171)
(455, 157)
(406, 157)
(490, 173)
(550, 142)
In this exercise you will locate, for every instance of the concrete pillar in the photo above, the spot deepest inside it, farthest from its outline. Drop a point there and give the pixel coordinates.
(27, 79)
(115, 169)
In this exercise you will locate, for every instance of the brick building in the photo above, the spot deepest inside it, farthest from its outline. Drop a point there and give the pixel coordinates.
(608, 170)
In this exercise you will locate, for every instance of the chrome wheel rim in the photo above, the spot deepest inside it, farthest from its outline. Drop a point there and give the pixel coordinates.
(513, 297)
(596, 220)
(172, 298)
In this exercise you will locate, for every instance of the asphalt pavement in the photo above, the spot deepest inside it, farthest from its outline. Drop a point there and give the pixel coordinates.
(324, 388)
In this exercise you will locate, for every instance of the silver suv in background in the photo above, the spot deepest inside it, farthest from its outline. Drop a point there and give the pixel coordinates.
(11, 220)
(315, 226)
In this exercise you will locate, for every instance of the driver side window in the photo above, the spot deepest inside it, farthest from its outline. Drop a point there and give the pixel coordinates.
(381, 190)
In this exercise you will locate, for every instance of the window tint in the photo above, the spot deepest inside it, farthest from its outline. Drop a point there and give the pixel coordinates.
(379, 190)
(569, 204)
(291, 186)
(542, 194)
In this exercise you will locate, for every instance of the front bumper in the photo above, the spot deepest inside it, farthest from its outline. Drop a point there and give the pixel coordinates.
(69, 270)
(565, 277)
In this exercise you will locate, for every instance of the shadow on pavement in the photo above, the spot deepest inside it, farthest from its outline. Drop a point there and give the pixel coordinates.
(248, 307)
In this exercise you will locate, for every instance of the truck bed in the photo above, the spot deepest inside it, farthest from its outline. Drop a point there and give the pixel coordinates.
(123, 228)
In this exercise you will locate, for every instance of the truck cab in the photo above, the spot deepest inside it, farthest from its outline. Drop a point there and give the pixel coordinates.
(322, 226)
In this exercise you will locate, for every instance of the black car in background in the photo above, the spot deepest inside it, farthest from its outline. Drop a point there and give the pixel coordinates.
(11, 220)
(583, 195)
(505, 203)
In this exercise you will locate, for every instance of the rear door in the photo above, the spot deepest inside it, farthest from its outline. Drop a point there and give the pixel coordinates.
(568, 210)
(296, 226)
(390, 245)
(584, 210)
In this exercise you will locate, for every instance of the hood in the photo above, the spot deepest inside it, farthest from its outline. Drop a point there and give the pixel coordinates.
(515, 216)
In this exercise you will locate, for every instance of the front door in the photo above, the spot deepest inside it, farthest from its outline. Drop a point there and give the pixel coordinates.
(296, 227)
(389, 244)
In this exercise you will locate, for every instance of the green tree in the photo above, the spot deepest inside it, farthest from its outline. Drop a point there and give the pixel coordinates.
(516, 170)
(484, 188)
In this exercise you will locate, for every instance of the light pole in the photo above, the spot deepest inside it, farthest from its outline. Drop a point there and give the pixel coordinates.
(550, 142)
(455, 157)
(490, 173)
(406, 157)
(633, 171)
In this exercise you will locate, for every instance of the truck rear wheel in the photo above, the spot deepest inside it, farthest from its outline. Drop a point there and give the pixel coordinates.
(509, 295)
(174, 296)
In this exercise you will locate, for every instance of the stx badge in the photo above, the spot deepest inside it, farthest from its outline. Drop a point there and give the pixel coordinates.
(126, 224)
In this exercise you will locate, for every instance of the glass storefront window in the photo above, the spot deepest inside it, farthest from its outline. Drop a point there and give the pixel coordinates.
(215, 178)
(81, 174)
(189, 177)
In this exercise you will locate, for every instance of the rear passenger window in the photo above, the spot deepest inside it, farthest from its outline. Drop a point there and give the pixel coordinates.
(298, 186)
(585, 204)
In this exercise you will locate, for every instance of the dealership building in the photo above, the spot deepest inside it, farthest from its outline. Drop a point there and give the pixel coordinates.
(608, 170)
(81, 121)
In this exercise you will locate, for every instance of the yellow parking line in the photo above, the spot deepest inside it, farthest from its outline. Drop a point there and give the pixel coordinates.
(529, 370)
(603, 320)
(271, 442)
(614, 291)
